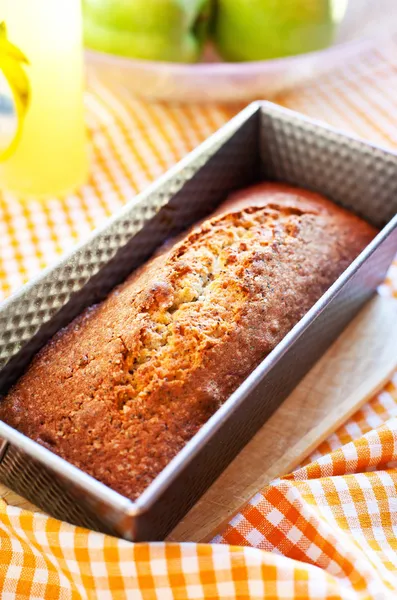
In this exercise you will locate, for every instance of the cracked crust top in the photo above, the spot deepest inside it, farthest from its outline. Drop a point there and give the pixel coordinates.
(121, 390)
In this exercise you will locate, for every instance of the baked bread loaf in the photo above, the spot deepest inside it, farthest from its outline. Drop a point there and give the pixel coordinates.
(121, 389)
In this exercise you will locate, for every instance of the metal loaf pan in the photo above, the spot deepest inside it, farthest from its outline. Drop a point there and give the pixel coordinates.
(263, 142)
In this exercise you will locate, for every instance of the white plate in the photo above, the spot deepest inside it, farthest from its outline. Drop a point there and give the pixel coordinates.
(232, 82)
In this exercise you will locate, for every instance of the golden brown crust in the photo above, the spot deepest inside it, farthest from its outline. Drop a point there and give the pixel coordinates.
(120, 391)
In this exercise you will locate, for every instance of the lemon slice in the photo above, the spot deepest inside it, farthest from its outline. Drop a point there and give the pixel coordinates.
(14, 94)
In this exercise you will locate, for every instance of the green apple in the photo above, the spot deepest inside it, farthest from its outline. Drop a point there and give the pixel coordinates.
(169, 30)
(264, 29)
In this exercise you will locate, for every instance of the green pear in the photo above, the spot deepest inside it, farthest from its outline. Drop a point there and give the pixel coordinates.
(168, 30)
(265, 29)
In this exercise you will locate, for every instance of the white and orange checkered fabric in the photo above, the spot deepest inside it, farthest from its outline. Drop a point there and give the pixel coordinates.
(327, 531)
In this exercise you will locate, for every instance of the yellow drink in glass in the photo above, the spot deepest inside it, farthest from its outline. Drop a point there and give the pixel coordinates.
(43, 146)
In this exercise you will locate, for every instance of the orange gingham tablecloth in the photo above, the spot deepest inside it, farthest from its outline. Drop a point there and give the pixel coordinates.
(327, 531)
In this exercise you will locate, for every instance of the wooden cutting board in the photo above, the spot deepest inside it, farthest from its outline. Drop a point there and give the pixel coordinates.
(363, 357)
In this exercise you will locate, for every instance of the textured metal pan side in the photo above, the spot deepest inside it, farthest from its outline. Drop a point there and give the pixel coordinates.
(29, 479)
(357, 175)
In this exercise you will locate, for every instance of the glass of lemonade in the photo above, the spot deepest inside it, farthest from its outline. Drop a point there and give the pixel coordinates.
(43, 146)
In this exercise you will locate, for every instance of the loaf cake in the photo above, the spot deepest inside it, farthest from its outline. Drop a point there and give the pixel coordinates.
(123, 388)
